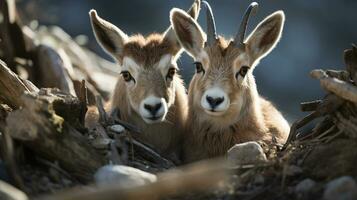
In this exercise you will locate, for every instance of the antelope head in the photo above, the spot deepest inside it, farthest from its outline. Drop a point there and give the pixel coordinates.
(148, 65)
(223, 83)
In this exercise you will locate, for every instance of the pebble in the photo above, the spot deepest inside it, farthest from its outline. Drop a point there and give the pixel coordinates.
(124, 176)
(117, 128)
(249, 153)
(343, 188)
(305, 186)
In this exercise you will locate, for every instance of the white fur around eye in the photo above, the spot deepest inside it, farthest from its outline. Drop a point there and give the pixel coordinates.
(203, 58)
(130, 65)
(241, 60)
(240, 78)
(165, 61)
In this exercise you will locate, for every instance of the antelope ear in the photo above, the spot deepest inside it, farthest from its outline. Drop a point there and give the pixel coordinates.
(188, 32)
(265, 36)
(110, 37)
(170, 35)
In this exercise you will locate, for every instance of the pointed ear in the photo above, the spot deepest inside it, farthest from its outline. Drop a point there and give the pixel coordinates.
(188, 32)
(110, 37)
(170, 35)
(265, 36)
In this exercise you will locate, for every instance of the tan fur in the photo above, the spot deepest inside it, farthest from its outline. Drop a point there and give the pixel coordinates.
(150, 81)
(249, 117)
(163, 136)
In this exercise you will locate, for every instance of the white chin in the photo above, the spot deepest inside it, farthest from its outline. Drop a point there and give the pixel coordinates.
(153, 121)
(214, 113)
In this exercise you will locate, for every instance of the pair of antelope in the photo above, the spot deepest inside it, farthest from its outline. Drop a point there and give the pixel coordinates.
(222, 107)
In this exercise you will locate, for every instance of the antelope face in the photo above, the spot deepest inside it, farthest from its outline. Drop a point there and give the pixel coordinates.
(150, 86)
(224, 68)
(148, 65)
(220, 80)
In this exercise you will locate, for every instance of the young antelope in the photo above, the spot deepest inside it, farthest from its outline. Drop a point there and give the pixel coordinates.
(149, 93)
(224, 105)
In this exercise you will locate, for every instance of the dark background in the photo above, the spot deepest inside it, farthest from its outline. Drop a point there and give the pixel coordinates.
(315, 35)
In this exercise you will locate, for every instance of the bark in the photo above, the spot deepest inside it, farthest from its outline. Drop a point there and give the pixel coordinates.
(53, 136)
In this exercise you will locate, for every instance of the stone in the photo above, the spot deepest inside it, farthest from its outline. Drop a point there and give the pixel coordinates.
(343, 188)
(305, 186)
(117, 128)
(8, 192)
(249, 153)
(124, 176)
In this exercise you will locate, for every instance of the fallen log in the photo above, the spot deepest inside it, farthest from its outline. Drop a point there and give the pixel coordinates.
(46, 133)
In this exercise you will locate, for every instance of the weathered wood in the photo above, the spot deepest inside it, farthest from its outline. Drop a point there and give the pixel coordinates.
(339, 74)
(7, 149)
(309, 106)
(47, 134)
(83, 98)
(350, 57)
(8, 11)
(203, 176)
(12, 43)
(329, 104)
(70, 108)
(341, 88)
(11, 87)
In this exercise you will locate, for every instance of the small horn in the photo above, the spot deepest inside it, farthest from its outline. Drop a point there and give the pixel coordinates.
(239, 39)
(211, 26)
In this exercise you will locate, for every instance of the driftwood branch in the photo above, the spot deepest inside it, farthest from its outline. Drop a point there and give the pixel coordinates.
(329, 104)
(341, 88)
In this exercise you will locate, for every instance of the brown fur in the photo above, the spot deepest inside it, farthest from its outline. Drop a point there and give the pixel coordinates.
(258, 119)
(147, 50)
(150, 79)
(163, 136)
(249, 117)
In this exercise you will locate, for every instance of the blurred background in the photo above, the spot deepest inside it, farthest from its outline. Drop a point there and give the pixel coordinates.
(315, 35)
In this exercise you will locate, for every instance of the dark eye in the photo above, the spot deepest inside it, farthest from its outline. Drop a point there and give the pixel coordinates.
(199, 67)
(171, 73)
(127, 76)
(243, 71)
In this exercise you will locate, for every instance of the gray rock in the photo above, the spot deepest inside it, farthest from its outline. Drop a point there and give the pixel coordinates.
(124, 176)
(343, 188)
(305, 186)
(246, 154)
(117, 128)
(8, 192)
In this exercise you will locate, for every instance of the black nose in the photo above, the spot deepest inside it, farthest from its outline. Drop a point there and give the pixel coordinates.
(153, 108)
(214, 102)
